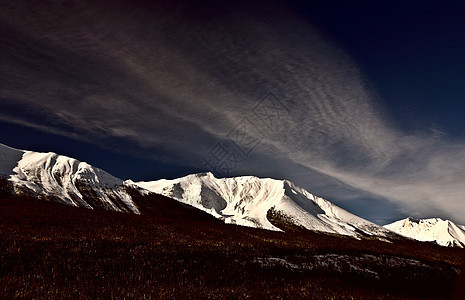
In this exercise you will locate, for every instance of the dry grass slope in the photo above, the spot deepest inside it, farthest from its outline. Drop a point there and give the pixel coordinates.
(51, 251)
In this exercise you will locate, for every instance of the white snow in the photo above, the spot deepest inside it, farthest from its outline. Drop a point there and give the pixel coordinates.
(443, 232)
(246, 201)
(57, 175)
(366, 264)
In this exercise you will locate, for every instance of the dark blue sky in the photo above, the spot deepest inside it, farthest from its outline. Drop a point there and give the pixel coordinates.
(139, 62)
(413, 52)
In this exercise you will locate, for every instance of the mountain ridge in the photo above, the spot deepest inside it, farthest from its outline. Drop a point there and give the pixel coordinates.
(244, 200)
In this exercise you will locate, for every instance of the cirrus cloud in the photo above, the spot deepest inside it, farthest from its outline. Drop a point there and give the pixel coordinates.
(173, 81)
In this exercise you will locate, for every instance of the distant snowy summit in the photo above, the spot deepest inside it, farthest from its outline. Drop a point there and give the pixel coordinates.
(252, 201)
(442, 232)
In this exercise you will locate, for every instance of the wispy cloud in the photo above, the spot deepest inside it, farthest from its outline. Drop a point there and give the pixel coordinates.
(174, 81)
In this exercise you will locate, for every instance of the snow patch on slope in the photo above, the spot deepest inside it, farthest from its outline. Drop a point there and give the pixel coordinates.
(442, 232)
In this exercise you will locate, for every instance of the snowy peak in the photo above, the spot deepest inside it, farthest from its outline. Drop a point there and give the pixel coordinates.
(248, 200)
(442, 232)
(64, 179)
(231, 199)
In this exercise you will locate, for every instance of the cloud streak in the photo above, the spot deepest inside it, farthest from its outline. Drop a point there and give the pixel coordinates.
(171, 82)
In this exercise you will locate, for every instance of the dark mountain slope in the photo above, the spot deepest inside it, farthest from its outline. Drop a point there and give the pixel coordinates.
(50, 250)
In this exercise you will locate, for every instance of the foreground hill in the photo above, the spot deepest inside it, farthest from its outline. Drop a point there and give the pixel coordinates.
(53, 251)
(442, 232)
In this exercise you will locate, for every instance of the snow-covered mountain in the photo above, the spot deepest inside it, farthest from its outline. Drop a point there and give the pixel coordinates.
(443, 232)
(64, 179)
(246, 200)
(249, 200)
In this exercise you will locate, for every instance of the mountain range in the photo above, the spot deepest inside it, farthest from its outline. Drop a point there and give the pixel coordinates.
(266, 203)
